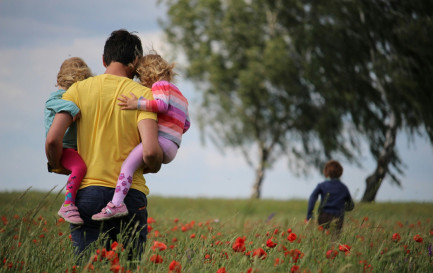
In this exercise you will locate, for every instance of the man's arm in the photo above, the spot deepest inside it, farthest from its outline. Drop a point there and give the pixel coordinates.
(152, 153)
(54, 141)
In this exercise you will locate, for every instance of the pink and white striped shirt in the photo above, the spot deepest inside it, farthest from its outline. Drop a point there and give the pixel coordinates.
(172, 109)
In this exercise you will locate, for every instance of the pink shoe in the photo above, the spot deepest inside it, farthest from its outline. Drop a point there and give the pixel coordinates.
(71, 214)
(111, 211)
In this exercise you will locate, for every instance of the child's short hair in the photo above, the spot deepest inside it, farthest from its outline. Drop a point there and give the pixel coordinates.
(333, 169)
(152, 68)
(72, 70)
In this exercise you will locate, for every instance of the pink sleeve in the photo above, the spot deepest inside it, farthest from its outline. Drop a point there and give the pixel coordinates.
(160, 102)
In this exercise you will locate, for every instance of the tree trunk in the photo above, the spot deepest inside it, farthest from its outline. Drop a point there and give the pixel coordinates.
(374, 181)
(260, 175)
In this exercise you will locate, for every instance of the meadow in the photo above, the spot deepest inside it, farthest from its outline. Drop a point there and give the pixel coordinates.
(223, 235)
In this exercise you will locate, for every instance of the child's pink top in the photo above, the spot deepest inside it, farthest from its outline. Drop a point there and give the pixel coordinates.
(172, 109)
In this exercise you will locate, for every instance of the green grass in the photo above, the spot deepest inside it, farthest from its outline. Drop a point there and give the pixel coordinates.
(199, 234)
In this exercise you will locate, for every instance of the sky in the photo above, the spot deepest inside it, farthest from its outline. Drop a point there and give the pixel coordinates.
(35, 38)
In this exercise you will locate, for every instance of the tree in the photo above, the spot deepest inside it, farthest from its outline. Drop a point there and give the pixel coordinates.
(250, 68)
(377, 54)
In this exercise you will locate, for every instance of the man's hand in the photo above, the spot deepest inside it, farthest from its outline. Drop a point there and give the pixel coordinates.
(128, 103)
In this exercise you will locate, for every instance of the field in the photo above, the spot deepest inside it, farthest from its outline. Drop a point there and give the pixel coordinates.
(218, 235)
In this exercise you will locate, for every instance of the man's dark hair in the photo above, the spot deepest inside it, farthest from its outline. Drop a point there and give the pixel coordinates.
(123, 47)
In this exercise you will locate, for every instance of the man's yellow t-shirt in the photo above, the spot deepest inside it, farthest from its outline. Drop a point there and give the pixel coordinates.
(105, 133)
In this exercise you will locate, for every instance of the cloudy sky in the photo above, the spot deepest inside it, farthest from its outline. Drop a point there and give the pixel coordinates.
(36, 36)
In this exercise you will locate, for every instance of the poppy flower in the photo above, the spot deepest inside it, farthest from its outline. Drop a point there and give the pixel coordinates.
(259, 253)
(156, 259)
(344, 248)
(222, 270)
(159, 245)
(396, 237)
(417, 238)
(239, 244)
(291, 237)
(174, 267)
(270, 244)
(294, 269)
(331, 254)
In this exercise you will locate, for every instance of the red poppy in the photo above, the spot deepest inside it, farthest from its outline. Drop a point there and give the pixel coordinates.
(270, 244)
(222, 270)
(396, 237)
(259, 253)
(150, 220)
(295, 269)
(239, 244)
(331, 254)
(344, 248)
(159, 245)
(291, 237)
(417, 238)
(156, 259)
(175, 267)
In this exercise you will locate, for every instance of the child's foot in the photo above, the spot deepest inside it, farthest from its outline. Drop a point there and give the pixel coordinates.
(111, 211)
(70, 214)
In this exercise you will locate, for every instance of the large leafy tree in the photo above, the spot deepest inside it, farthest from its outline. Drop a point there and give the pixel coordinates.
(250, 69)
(302, 79)
(376, 53)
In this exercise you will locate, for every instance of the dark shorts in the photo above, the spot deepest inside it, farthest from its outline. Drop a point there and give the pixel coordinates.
(133, 227)
(329, 220)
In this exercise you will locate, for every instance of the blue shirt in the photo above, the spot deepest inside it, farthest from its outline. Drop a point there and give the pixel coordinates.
(334, 198)
(54, 105)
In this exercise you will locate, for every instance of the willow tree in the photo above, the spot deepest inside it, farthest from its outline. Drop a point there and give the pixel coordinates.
(377, 55)
(250, 72)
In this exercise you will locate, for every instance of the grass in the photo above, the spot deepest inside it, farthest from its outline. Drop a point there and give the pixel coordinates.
(199, 235)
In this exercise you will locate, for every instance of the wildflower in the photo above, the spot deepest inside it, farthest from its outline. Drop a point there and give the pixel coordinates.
(289, 231)
(239, 244)
(396, 237)
(331, 254)
(270, 244)
(192, 236)
(174, 267)
(159, 245)
(417, 238)
(259, 253)
(291, 237)
(156, 259)
(278, 261)
(295, 269)
(344, 248)
(5, 220)
(150, 220)
(222, 270)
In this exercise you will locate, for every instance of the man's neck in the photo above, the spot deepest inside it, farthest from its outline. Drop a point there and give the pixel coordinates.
(117, 69)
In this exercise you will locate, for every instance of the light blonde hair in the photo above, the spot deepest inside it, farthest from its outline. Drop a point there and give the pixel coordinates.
(152, 68)
(72, 70)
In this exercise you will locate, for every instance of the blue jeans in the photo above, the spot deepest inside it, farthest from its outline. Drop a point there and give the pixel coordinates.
(93, 199)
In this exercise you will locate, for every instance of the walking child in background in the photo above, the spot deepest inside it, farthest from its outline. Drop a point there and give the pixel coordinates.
(173, 121)
(72, 70)
(335, 198)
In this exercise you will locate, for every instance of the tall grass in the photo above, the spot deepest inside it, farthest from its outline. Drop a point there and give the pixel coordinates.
(198, 235)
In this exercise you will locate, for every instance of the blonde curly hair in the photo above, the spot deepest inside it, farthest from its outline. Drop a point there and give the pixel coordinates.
(72, 70)
(152, 68)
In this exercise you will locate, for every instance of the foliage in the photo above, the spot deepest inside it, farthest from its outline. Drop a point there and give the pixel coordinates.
(218, 235)
(308, 80)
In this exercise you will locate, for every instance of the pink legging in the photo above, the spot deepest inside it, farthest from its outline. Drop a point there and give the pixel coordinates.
(134, 161)
(72, 161)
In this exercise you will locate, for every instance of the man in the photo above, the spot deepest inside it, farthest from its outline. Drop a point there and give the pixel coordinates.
(106, 135)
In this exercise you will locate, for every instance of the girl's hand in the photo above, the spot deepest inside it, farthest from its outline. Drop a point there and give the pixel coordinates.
(128, 103)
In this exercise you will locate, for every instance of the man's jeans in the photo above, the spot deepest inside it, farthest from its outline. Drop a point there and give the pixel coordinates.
(93, 199)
